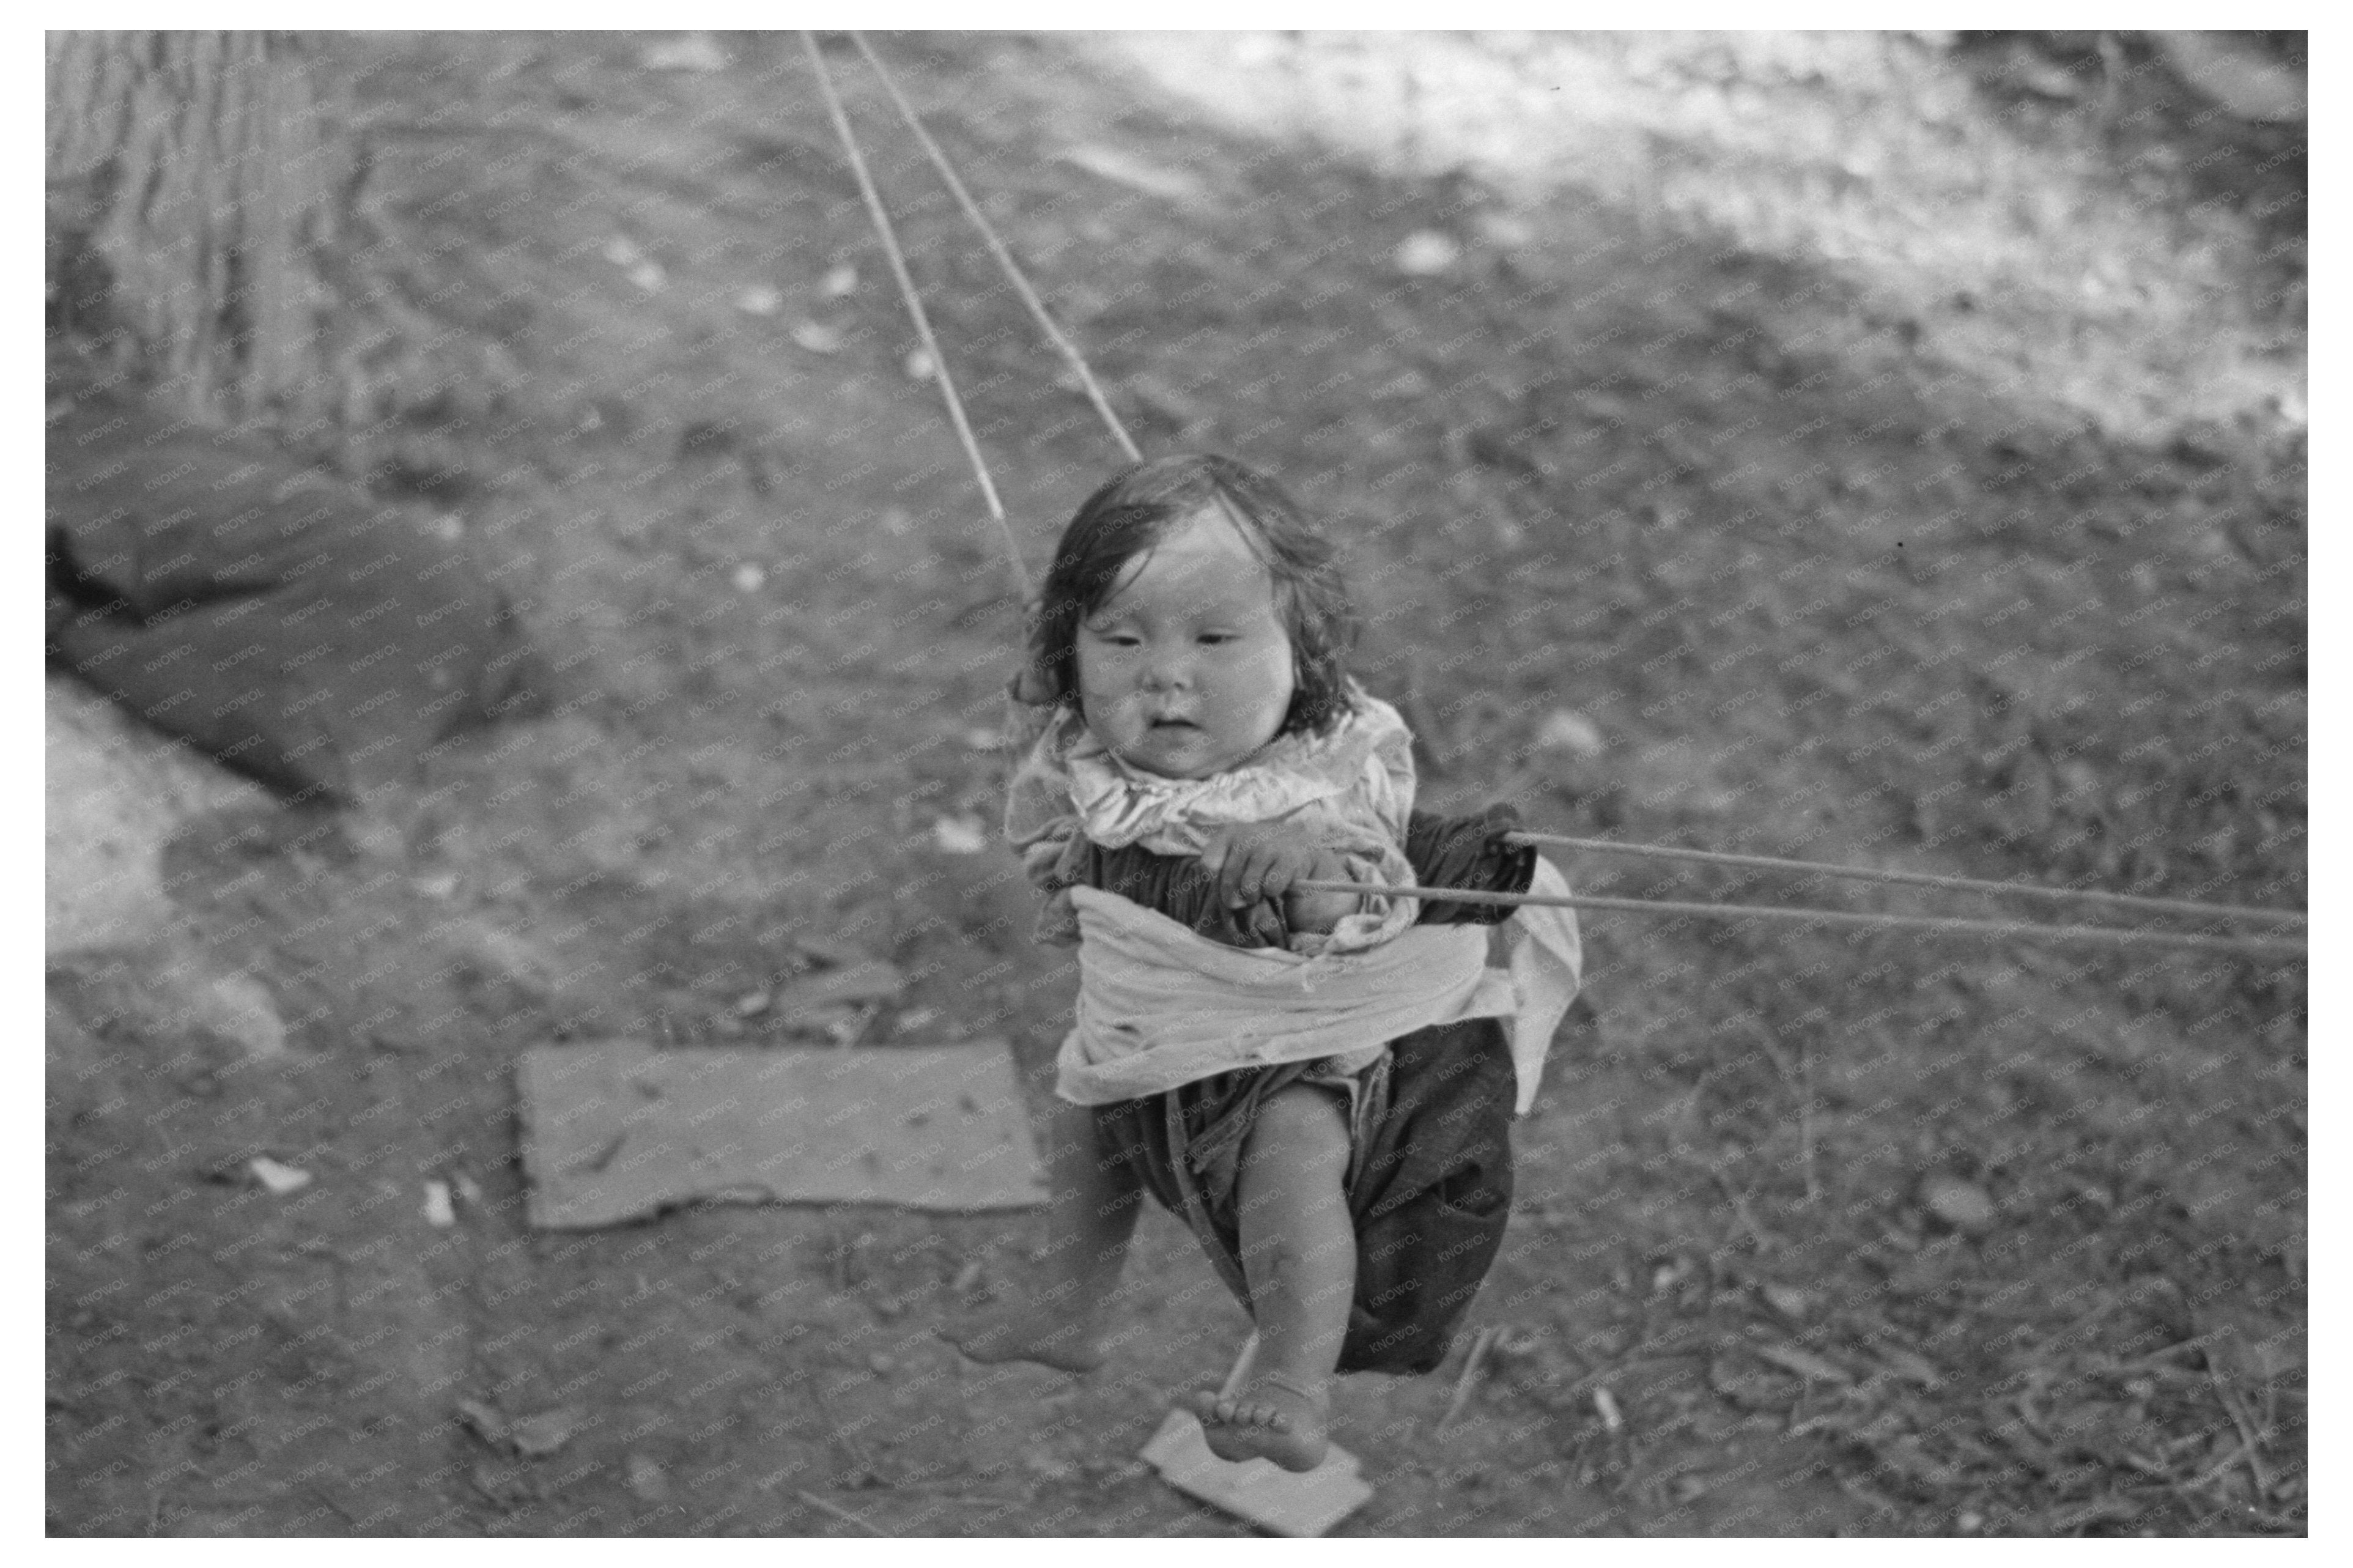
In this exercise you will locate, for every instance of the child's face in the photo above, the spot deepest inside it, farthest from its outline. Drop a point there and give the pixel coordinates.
(1186, 670)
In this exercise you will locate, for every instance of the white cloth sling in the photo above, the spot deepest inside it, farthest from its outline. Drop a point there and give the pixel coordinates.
(1160, 1007)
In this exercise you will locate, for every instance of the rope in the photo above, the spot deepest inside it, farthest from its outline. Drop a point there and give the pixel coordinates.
(1004, 257)
(915, 309)
(2282, 945)
(1921, 878)
(1639, 906)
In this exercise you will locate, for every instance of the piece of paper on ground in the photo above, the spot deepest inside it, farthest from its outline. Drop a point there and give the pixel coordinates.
(615, 1129)
(1270, 1497)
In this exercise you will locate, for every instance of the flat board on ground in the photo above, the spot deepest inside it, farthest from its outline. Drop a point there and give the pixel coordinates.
(616, 1130)
(1259, 1490)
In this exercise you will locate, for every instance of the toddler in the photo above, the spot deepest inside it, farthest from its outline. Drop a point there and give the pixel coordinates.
(1287, 1068)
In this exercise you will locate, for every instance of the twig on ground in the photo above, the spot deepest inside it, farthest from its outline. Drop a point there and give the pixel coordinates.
(988, 1499)
(1740, 1208)
(1468, 1380)
(2249, 1443)
(942, 1488)
(840, 1512)
(1802, 1082)
(1597, 1379)
(1806, 1120)
(2086, 1514)
(2155, 1356)
(1876, 1502)
(2217, 1470)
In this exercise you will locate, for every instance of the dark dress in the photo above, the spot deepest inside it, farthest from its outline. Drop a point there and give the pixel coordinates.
(1430, 1178)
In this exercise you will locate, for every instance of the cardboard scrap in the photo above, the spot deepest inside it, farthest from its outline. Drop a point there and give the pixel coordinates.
(617, 1131)
(1280, 1501)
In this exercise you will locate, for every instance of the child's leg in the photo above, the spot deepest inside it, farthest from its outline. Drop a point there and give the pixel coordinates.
(1299, 1253)
(1090, 1215)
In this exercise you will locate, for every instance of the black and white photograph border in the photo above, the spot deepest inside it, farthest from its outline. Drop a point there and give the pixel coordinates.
(611, 971)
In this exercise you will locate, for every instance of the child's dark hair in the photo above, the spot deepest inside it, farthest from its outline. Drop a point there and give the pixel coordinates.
(1135, 510)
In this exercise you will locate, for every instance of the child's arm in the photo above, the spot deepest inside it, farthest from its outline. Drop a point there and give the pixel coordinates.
(1469, 852)
(1176, 887)
(1254, 865)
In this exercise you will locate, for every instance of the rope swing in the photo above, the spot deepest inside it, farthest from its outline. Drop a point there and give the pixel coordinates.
(1922, 879)
(1958, 925)
(1012, 268)
(2280, 944)
(915, 309)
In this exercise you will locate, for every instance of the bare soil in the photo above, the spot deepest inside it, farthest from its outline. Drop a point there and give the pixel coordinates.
(1817, 1231)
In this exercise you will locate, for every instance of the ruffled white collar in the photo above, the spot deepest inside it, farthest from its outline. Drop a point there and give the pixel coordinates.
(1119, 805)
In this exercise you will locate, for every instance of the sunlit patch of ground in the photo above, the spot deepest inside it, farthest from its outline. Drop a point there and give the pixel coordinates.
(2067, 283)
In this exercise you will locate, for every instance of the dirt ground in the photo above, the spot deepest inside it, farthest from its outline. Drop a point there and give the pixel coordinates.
(1660, 536)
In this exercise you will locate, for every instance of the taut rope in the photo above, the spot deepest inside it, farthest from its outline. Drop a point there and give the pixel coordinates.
(915, 309)
(2183, 906)
(1004, 257)
(1953, 923)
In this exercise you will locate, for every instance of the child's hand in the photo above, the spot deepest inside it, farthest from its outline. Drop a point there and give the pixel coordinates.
(1255, 860)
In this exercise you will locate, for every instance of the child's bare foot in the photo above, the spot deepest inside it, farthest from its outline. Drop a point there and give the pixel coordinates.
(1274, 1418)
(1024, 1332)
